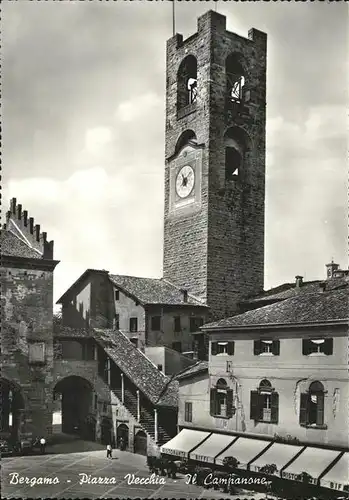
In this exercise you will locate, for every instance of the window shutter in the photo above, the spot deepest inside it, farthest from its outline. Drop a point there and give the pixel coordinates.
(257, 348)
(229, 403)
(254, 405)
(303, 411)
(213, 402)
(320, 408)
(274, 407)
(328, 346)
(213, 348)
(231, 349)
(276, 347)
(306, 347)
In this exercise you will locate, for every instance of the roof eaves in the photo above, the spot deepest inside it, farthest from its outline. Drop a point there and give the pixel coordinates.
(331, 322)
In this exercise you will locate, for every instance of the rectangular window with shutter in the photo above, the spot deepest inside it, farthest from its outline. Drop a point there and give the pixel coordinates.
(156, 323)
(188, 412)
(133, 324)
(266, 347)
(177, 324)
(222, 348)
(318, 346)
(36, 353)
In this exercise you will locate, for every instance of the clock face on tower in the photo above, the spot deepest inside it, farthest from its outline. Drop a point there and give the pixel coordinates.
(185, 181)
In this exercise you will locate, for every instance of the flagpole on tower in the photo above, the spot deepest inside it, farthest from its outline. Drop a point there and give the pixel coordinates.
(173, 18)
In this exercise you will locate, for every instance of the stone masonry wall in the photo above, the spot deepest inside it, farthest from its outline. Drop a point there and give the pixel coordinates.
(27, 296)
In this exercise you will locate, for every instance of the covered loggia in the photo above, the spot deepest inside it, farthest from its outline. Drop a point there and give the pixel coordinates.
(12, 406)
(75, 395)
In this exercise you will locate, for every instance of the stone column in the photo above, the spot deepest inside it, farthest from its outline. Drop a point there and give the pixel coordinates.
(122, 388)
(155, 425)
(138, 407)
(95, 355)
(108, 372)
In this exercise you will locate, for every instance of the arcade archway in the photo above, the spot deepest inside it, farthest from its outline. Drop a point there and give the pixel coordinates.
(140, 444)
(122, 436)
(12, 407)
(75, 396)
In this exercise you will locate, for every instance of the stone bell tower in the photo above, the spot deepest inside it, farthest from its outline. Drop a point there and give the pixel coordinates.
(215, 163)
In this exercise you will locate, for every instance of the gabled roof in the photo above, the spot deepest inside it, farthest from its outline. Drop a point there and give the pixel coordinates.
(319, 307)
(137, 367)
(81, 278)
(153, 291)
(200, 367)
(146, 291)
(13, 246)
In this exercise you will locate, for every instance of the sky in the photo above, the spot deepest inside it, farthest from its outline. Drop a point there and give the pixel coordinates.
(83, 129)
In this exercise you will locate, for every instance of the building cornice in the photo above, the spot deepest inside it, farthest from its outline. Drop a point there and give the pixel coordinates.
(28, 263)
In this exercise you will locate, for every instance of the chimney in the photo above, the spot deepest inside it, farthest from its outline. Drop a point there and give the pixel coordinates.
(25, 217)
(19, 212)
(31, 225)
(323, 286)
(299, 281)
(185, 294)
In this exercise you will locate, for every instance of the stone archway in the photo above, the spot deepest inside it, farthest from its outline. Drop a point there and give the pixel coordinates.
(75, 395)
(12, 409)
(140, 443)
(122, 436)
(106, 431)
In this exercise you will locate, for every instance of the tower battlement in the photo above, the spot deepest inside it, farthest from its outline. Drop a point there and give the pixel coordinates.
(24, 227)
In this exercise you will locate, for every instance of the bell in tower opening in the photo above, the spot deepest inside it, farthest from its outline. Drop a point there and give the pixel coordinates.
(215, 164)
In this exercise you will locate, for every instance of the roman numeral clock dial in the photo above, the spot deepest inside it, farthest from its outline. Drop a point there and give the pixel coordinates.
(185, 181)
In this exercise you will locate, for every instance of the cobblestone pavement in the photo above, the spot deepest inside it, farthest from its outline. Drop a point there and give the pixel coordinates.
(67, 467)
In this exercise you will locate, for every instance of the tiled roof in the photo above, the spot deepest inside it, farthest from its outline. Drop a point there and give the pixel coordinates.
(137, 367)
(60, 331)
(13, 246)
(200, 367)
(288, 290)
(304, 308)
(153, 291)
(169, 397)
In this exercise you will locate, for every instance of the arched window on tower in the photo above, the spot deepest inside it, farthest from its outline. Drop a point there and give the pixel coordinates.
(235, 78)
(187, 137)
(235, 144)
(187, 82)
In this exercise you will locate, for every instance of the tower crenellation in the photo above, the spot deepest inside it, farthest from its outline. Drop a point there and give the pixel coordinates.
(215, 163)
(20, 223)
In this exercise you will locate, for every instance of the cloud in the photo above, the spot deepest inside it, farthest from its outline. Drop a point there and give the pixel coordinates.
(138, 107)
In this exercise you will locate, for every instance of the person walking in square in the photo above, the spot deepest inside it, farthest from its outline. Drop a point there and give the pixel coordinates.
(42, 445)
(109, 451)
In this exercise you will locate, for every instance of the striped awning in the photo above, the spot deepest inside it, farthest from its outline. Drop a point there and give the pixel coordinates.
(185, 442)
(337, 477)
(211, 447)
(244, 450)
(313, 461)
(278, 454)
